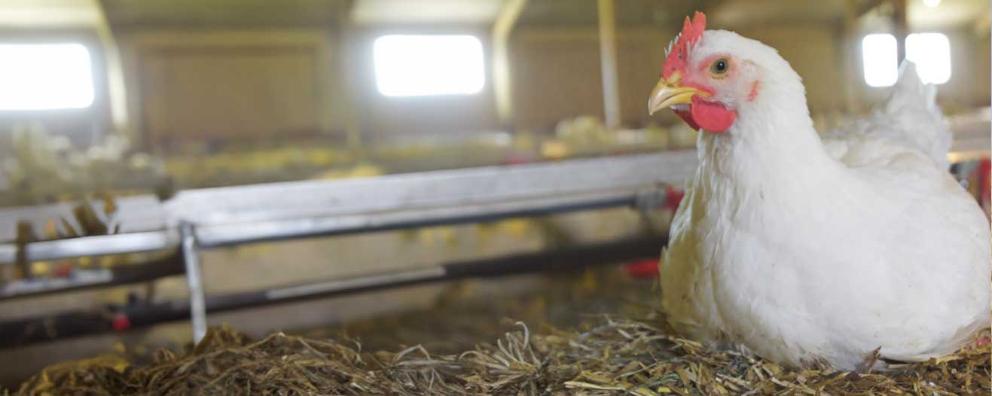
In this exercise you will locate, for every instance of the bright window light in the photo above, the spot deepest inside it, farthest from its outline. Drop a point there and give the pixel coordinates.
(932, 54)
(45, 77)
(878, 54)
(420, 65)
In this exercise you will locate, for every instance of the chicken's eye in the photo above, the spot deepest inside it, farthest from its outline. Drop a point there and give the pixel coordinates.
(719, 67)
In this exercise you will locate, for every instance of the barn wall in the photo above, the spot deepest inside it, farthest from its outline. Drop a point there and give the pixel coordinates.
(556, 74)
(256, 84)
(550, 65)
(813, 53)
(243, 85)
(969, 83)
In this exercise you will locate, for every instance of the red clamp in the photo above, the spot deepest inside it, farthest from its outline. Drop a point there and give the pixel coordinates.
(673, 196)
(642, 269)
(120, 322)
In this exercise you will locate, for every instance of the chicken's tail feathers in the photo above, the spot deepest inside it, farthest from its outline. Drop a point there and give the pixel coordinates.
(910, 92)
(913, 106)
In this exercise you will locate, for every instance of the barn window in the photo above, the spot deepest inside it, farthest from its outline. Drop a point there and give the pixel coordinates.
(932, 54)
(878, 55)
(45, 77)
(421, 65)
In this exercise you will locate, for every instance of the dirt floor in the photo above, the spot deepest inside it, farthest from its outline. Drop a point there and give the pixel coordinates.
(587, 332)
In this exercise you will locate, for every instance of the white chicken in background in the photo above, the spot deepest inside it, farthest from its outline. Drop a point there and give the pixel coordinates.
(806, 250)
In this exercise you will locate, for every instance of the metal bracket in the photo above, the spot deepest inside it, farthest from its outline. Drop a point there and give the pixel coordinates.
(197, 300)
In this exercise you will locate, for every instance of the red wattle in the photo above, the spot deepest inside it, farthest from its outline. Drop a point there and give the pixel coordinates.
(712, 117)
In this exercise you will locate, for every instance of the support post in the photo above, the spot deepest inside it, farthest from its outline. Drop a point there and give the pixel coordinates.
(502, 81)
(197, 300)
(849, 47)
(114, 64)
(900, 27)
(608, 60)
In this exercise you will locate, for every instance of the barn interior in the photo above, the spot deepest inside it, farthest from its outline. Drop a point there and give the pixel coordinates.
(403, 172)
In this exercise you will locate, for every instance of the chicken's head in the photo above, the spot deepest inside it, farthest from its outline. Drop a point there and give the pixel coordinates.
(710, 76)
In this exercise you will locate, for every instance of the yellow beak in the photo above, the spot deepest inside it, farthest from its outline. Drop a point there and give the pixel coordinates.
(668, 93)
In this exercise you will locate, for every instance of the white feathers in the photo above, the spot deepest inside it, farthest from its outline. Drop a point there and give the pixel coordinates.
(800, 257)
(910, 120)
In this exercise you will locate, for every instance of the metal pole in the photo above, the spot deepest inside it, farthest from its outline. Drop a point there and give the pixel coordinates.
(197, 301)
(16, 332)
(25, 234)
(608, 58)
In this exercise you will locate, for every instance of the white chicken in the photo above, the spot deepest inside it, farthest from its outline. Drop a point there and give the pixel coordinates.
(807, 250)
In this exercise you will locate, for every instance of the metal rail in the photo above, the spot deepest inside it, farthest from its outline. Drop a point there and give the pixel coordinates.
(167, 265)
(25, 331)
(247, 214)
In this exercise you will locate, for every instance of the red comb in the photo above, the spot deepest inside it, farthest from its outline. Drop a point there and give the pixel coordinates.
(678, 50)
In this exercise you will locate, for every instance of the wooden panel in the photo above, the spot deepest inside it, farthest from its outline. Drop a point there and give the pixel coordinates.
(216, 93)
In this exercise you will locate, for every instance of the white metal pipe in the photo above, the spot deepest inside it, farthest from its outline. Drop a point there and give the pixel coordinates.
(197, 299)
